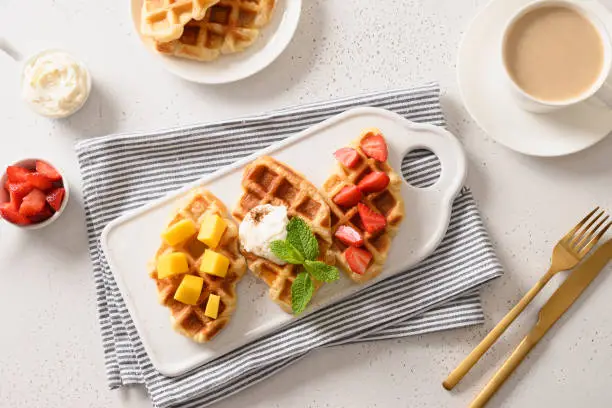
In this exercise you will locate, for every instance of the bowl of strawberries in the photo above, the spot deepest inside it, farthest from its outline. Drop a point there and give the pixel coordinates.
(33, 194)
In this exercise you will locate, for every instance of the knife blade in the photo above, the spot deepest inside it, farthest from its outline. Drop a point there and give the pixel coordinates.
(570, 290)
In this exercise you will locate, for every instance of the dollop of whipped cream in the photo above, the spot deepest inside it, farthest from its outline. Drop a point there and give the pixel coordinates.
(262, 225)
(55, 84)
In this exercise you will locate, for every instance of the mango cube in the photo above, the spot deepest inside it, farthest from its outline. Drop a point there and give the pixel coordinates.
(179, 232)
(214, 263)
(212, 230)
(172, 264)
(212, 307)
(189, 290)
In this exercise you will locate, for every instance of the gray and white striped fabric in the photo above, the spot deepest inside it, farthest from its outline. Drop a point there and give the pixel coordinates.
(123, 172)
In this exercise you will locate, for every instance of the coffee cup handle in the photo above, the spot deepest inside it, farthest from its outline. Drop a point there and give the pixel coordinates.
(603, 97)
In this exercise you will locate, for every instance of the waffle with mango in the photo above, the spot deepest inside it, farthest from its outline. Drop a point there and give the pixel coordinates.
(268, 181)
(366, 206)
(197, 266)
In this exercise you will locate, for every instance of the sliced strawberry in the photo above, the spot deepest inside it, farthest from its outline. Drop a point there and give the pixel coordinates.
(16, 174)
(55, 198)
(48, 171)
(347, 156)
(349, 236)
(372, 221)
(11, 214)
(39, 181)
(33, 204)
(44, 215)
(374, 182)
(374, 146)
(358, 259)
(17, 191)
(348, 196)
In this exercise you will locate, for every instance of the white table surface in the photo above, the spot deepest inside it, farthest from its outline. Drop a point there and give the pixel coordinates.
(51, 351)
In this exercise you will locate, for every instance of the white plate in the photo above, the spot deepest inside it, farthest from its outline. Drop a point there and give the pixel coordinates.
(273, 39)
(488, 100)
(131, 241)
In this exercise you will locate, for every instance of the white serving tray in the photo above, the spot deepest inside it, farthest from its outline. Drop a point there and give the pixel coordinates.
(130, 241)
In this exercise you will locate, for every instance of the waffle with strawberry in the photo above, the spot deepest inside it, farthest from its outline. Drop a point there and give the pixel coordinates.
(366, 206)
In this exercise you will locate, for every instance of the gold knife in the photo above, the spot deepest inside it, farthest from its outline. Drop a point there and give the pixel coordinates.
(559, 302)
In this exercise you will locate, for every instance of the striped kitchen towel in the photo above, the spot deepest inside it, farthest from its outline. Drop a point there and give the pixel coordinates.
(123, 172)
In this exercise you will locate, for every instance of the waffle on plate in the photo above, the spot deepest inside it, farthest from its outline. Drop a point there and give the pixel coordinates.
(268, 181)
(200, 209)
(366, 206)
(228, 26)
(163, 20)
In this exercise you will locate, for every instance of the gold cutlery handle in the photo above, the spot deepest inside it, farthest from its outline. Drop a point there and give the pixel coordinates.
(504, 372)
(462, 369)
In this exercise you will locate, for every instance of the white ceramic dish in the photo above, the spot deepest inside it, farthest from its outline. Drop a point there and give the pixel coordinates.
(84, 69)
(489, 100)
(31, 164)
(273, 39)
(130, 241)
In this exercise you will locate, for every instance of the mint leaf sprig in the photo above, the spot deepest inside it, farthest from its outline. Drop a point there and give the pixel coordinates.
(301, 248)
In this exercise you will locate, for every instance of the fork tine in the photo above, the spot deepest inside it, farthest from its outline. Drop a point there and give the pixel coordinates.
(589, 234)
(594, 240)
(569, 236)
(577, 240)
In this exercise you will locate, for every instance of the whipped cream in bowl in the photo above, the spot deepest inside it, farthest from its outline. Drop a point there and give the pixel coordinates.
(55, 84)
(262, 225)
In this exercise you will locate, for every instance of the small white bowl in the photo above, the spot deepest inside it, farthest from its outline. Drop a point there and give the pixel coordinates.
(5, 197)
(37, 108)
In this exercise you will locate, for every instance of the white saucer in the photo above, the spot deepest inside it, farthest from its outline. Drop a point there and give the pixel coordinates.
(273, 39)
(487, 97)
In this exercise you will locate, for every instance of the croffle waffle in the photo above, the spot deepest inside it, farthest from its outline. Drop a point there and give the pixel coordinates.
(387, 202)
(191, 320)
(163, 20)
(229, 26)
(268, 181)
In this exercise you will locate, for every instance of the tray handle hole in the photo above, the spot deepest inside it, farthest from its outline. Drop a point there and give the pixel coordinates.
(421, 168)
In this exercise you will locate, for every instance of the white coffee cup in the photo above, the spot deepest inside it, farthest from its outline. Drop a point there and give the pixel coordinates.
(599, 93)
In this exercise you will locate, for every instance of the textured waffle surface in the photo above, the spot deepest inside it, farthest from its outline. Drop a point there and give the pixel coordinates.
(190, 320)
(268, 181)
(164, 20)
(388, 202)
(228, 26)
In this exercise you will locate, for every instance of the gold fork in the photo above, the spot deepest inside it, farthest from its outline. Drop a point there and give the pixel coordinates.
(566, 255)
